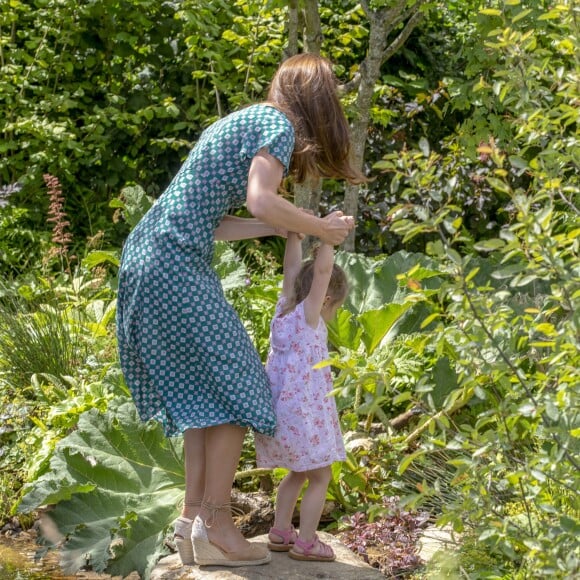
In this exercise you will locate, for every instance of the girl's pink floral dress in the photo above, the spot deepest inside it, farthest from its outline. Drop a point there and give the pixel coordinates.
(308, 433)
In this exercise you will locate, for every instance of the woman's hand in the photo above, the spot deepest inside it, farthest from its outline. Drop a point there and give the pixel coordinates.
(336, 228)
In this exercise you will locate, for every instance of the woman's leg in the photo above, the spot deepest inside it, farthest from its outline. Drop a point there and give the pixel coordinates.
(313, 501)
(286, 498)
(223, 448)
(194, 448)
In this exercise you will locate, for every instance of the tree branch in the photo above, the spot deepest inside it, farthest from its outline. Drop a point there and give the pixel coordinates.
(351, 85)
(403, 36)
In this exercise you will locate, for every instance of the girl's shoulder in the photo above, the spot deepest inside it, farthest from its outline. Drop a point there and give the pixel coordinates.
(296, 316)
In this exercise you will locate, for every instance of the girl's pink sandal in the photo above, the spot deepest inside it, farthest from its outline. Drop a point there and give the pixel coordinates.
(288, 538)
(314, 551)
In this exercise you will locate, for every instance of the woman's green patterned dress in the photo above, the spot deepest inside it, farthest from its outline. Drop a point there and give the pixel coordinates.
(184, 352)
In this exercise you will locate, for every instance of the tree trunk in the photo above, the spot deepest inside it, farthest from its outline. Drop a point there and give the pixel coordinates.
(313, 31)
(381, 24)
(307, 195)
(293, 20)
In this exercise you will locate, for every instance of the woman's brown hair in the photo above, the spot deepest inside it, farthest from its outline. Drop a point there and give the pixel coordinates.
(304, 88)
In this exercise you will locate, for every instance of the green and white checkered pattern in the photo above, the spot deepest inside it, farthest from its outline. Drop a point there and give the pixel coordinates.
(184, 352)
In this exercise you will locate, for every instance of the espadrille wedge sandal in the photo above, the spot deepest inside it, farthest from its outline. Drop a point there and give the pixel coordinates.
(182, 536)
(208, 554)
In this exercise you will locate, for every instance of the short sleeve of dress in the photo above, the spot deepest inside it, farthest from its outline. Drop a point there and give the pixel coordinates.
(271, 130)
(280, 305)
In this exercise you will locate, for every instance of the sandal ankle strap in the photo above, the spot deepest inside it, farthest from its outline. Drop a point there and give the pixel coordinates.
(288, 536)
(189, 503)
(215, 508)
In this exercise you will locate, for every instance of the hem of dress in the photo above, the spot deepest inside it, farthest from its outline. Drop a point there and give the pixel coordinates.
(179, 430)
(299, 468)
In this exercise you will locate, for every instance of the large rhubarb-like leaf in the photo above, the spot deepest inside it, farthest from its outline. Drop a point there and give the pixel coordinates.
(116, 484)
(373, 282)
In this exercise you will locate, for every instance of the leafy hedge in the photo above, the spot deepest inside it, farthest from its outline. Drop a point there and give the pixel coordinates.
(102, 94)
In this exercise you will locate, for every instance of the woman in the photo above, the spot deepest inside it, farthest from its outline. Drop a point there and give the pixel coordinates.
(184, 352)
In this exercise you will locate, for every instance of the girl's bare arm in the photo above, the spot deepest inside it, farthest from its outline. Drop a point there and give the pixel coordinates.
(314, 302)
(292, 263)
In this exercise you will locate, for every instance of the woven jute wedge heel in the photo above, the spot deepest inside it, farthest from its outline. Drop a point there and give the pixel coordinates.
(182, 536)
(182, 539)
(208, 554)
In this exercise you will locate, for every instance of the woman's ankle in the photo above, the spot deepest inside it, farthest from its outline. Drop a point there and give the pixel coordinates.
(190, 508)
(190, 514)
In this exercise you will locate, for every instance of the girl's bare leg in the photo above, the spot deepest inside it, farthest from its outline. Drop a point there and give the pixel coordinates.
(223, 448)
(313, 501)
(194, 448)
(286, 498)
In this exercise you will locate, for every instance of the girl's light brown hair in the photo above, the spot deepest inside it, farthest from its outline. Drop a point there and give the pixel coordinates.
(337, 286)
(304, 88)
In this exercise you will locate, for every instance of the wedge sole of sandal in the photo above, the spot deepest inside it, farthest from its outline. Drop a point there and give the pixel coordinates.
(207, 554)
(185, 549)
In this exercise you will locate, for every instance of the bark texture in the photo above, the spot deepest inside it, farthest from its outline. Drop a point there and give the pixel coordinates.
(382, 24)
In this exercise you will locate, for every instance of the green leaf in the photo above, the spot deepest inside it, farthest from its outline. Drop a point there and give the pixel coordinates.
(445, 379)
(344, 330)
(550, 15)
(499, 185)
(376, 323)
(518, 162)
(98, 257)
(570, 525)
(408, 460)
(229, 267)
(489, 245)
(521, 15)
(490, 11)
(373, 281)
(116, 483)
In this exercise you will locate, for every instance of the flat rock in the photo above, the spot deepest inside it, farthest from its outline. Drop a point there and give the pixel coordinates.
(346, 566)
(435, 539)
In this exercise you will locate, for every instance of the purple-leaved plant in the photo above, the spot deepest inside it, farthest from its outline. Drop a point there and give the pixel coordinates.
(389, 543)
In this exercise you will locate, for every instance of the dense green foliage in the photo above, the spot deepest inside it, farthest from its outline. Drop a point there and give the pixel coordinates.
(102, 94)
(470, 332)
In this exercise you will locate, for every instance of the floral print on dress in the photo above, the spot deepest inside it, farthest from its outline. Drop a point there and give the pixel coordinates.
(308, 432)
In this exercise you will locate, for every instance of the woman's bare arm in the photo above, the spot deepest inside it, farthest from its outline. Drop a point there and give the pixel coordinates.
(237, 228)
(264, 203)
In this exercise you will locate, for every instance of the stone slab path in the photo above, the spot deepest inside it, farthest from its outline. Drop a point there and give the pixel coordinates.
(346, 567)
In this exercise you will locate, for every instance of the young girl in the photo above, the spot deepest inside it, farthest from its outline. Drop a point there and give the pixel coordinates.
(308, 438)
